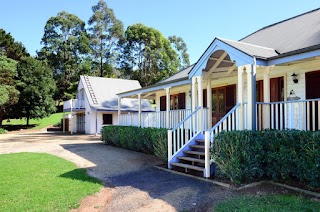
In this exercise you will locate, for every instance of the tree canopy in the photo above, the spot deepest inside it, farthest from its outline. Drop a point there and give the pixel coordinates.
(105, 31)
(10, 48)
(9, 94)
(36, 88)
(147, 55)
(66, 45)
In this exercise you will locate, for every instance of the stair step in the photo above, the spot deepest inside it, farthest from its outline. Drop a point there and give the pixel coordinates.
(187, 166)
(200, 140)
(197, 146)
(194, 153)
(192, 159)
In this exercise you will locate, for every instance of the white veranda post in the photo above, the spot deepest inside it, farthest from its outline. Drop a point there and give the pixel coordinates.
(139, 110)
(266, 97)
(119, 110)
(209, 102)
(240, 97)
(168, 108)
(200, 102)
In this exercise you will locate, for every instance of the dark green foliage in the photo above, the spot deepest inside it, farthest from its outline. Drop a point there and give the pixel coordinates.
(147, 55)
(245, 156)
(66, 47)
(11, 48)
(147, 140)
(36, 89)
(9, 95)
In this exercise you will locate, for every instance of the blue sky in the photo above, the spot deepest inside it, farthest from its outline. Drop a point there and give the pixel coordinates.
(197, 22)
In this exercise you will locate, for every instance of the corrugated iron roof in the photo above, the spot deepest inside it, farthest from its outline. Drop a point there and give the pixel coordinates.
(292, 34)
(105, 91)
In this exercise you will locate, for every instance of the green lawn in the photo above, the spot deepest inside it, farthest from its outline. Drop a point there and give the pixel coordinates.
(269, 203)
(42, 182)
(35, 123)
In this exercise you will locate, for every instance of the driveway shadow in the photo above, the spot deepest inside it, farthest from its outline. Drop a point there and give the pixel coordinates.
(123, 168)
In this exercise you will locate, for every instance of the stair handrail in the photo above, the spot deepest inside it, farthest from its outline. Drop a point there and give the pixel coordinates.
(174, 136)
(209, 135)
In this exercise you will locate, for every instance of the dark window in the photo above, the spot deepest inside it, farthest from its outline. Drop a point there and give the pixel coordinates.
(177, 101)
(107, 118)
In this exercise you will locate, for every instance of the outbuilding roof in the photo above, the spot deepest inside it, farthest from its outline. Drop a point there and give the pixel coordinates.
(102, 93)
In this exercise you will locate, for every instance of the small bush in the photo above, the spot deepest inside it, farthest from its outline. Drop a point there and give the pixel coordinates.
(245, 156)
(147, 140)
(3, 131)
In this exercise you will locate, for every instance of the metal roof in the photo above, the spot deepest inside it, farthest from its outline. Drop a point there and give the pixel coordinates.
(292, 34)
(250, 49)
(179, 75)
(105, 91)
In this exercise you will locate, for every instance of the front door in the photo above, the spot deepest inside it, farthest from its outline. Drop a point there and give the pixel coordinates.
(223, 100)
(81, 123)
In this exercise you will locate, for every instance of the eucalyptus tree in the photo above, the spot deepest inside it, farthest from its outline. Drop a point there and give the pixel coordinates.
(10, 48)
(147, 55)
(105, 31)
(66, 46)
(181, 47)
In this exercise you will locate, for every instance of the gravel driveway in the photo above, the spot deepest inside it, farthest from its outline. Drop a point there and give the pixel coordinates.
(134, 184)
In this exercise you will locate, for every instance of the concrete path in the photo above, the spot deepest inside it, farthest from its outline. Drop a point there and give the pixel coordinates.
(135, 185)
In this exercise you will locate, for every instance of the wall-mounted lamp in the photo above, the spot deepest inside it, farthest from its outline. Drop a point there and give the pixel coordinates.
(294, 77)
(292, 96)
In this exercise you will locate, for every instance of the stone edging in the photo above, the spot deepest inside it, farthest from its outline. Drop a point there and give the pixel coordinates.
(229, 186)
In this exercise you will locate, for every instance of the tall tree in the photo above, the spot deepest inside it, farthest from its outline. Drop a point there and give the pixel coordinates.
(181, 47)
(66, 45)
(10, 48)
(105, 31)
(36, 88)
(9, 94)
(147, 55)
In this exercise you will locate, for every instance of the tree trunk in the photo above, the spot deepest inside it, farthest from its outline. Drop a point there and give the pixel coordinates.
(28, 121)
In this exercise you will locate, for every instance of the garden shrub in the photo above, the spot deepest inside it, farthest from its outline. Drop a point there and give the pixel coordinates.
(3, 131)
(245, 156)
(147, 140)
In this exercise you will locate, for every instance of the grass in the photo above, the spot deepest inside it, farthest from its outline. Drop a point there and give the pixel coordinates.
(269, 203)
(3, 131)
(35, 124)
(42, 182)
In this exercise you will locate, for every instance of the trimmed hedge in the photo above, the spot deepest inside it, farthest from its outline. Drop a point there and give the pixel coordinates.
(152, 141)
(246, 156)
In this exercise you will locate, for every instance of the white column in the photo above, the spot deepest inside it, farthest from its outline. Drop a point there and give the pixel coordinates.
(250, 97)
(209, 102)
(193, 93)
(139, 110)
(119, 110)
(96, 122)
(200, 102)
(168, 108)
(240, 97)
(71, 120)
(266, 98)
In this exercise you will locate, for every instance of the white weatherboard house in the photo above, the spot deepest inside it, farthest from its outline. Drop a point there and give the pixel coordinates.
(268, 80)
(96, 104)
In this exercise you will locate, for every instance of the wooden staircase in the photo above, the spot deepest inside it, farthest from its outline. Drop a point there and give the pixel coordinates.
(192, 159)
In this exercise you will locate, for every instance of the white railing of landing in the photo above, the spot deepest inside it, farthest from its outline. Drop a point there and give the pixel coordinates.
(229, 122)
(158, 119)
(73, 104)
(183, 132)
(296, 114)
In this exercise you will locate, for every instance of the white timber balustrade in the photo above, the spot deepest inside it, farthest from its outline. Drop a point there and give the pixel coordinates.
(228, 123)
(183, 132)
(156, 119)
(296, 114)
(73, 104)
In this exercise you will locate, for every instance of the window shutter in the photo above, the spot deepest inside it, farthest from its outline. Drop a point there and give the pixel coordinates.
(163, 103)
(182, 101)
